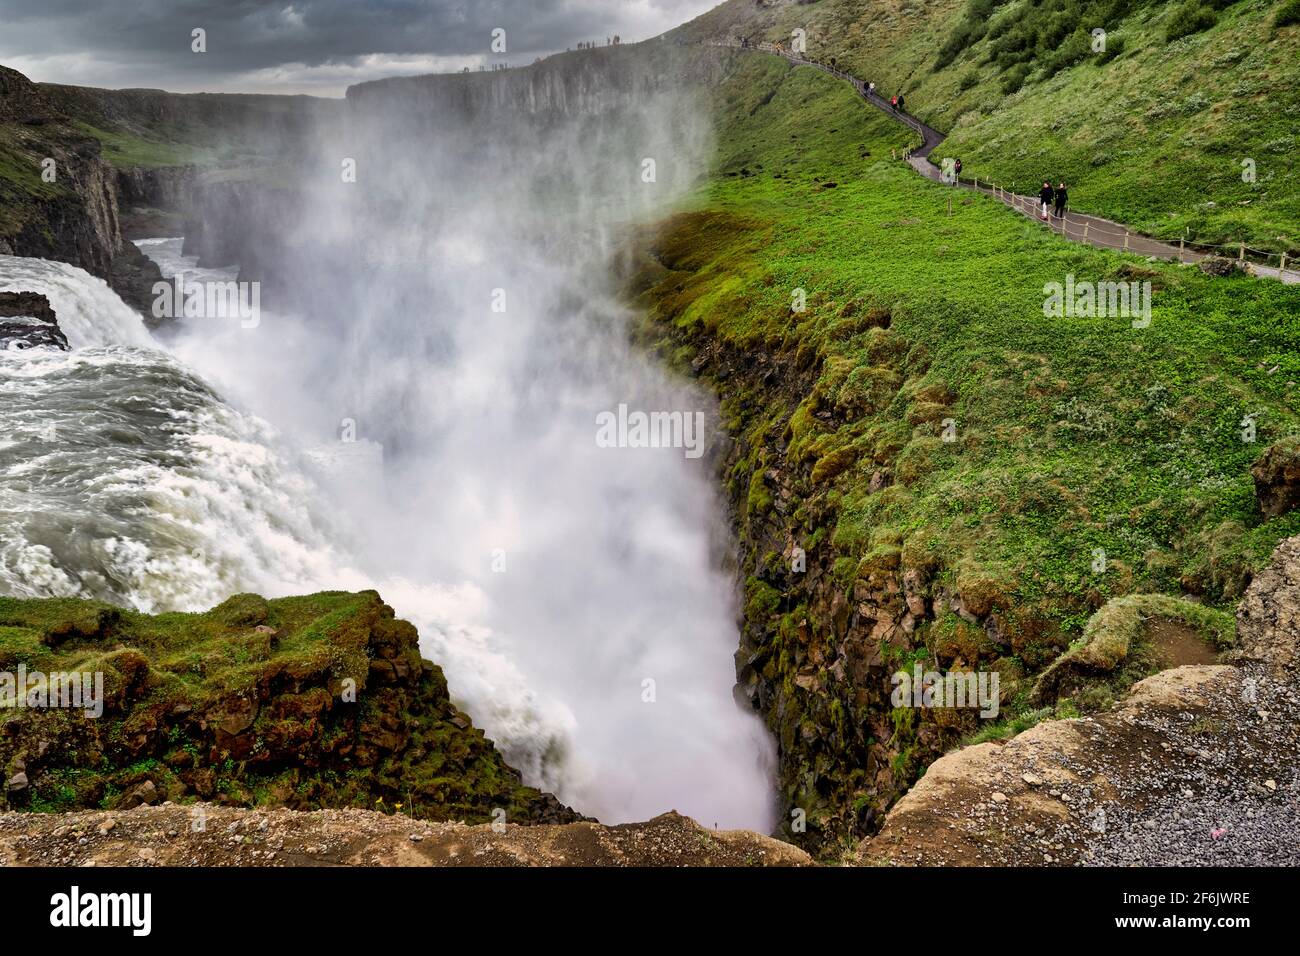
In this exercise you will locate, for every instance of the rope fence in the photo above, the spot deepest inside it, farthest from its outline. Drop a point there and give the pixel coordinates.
(1097, 232)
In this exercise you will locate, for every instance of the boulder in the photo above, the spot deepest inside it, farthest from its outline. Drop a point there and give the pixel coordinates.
(1221, 266)
(1277, 477)
(27, 321)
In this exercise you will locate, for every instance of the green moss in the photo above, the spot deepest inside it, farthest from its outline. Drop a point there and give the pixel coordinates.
(759, 499)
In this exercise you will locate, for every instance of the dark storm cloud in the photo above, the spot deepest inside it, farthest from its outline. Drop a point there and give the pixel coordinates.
(302, 45)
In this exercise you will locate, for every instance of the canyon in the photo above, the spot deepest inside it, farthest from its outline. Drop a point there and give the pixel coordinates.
(835, 539)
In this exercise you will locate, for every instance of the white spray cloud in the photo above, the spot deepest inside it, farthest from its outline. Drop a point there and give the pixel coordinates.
(551, 577)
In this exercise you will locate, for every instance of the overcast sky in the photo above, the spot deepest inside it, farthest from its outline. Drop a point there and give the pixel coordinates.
(303, 46)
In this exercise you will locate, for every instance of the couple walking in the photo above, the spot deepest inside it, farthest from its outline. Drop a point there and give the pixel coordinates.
(1052, 200)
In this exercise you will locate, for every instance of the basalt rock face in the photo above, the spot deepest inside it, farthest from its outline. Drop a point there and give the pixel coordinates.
(153, 201)
(320, 701)
(27, 321)
(816, 653)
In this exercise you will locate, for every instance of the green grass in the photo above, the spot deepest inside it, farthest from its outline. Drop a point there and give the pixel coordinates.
(1151, 133)
(125, 150)
(1071, 434)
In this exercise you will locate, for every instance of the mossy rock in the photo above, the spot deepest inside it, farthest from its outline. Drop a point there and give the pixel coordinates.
(1116, 631)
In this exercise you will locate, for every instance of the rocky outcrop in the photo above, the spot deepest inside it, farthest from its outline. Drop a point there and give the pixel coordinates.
(1121, 631)
(1195, 766)
(1277, 478)
(201, 835)
(1268, 619)
(322, 701)
(154, 201)
(27, 321)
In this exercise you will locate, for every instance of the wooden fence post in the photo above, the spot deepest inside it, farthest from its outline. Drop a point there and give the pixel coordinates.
(1085, 229)
(1126, 240)
(1282, 267)
(1241, 253)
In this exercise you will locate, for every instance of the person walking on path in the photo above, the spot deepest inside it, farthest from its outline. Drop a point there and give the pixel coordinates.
(901, 109)
(957, 168)
(1045, 199)
(1062, 196)
(893, 101)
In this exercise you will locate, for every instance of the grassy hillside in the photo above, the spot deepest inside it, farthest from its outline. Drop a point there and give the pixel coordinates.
(1152, 132)
(1069, 435)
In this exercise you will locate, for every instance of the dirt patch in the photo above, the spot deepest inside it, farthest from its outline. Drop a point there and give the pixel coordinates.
(1174, 644)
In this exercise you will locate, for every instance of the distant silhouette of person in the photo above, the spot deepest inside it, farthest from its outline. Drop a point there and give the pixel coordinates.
(893, 101)
(956, 167)
(901, 107)
(1062, 196)
(1045, 198)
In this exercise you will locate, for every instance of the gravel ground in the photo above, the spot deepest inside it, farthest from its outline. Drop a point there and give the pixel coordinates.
(208, 835)
(1185, 772)
(1233, 802)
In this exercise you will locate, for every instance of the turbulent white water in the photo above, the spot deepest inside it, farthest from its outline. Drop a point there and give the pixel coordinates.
(425, 445)
(126, 478)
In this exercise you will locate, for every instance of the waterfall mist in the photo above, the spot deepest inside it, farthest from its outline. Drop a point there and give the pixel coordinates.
(438, 338)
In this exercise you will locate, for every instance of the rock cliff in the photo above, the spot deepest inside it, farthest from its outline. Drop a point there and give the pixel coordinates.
(58, 195)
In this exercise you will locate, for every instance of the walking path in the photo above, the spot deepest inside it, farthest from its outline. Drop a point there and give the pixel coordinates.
(1077, 227)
